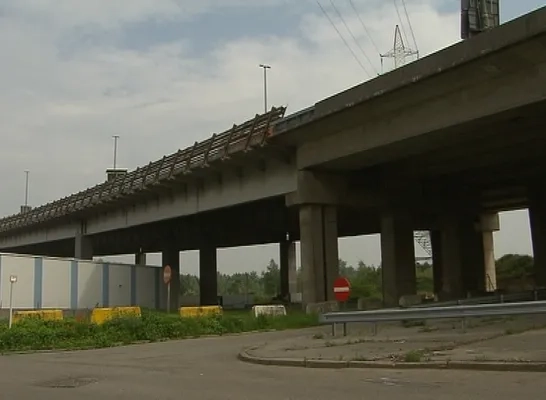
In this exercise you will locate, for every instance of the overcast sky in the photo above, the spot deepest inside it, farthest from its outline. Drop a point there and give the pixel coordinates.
(164, 73)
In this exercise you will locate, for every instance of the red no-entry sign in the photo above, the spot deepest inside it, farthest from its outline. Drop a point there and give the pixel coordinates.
(167, 274)
(342, 289)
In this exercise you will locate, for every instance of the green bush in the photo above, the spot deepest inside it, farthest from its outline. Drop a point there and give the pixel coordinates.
(36, 334)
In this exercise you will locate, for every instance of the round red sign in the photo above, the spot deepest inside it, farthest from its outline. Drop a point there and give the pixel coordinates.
(342, 289)
(167, 273)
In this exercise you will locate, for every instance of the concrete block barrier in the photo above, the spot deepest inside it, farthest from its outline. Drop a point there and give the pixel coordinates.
(46, 315)
(272, 310)
(192, 312)
(101, 315)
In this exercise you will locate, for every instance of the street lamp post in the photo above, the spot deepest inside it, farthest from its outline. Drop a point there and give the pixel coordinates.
(26, 188)
(116, 137)
(265, 68)
(12, 280)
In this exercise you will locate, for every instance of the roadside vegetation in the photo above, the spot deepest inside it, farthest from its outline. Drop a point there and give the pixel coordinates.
(72, 334)
(514, 273)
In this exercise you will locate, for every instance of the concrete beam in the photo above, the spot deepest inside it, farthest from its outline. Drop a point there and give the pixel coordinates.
(317, 187)
(43, 234)
(278, 179)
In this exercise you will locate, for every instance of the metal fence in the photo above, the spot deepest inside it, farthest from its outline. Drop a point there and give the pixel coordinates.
(240, 138)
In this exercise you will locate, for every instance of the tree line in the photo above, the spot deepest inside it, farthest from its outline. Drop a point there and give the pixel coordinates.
(513, 270)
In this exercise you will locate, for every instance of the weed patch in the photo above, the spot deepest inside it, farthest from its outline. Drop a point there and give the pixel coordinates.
(71, 334)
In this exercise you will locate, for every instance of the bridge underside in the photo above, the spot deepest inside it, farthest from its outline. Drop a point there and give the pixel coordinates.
(498, 158)
(450, 180)
(261, 222)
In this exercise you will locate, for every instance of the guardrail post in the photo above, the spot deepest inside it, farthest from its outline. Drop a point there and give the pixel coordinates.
(344, 329)
(333, 329)
(374, 329)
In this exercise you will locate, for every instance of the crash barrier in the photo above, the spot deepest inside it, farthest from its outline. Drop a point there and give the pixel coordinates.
(45, 315)
(101, 315)
(191, 312)
(528, 295)
(423, 314)
(271, 310)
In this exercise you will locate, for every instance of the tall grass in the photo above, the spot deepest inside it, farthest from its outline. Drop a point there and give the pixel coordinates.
(36, 334)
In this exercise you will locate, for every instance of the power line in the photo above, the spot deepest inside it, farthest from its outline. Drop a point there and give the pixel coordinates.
(411, 28)
(352, 35)
(364, 26)
(401, 22)
(342, 38)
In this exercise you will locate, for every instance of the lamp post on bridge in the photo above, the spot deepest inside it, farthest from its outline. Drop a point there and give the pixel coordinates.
(25, 207)
(116, 137)
(26, 188)
(265, 68)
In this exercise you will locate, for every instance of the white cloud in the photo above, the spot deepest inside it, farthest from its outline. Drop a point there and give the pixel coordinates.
(160, 98)
(59, 107)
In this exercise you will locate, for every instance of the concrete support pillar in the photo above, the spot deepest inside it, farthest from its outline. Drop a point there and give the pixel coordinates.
(288, 269)
(397, 257)
(208, 276)
(140, 259)
(488, 224)
(437, 266)
(171, 256)
(474, 265)
(319, 252)
(489, 258)
(463, 257)
(452, 261)
(83, 247)
(537, 222)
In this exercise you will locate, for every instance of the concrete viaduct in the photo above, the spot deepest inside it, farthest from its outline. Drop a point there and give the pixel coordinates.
(442, 144)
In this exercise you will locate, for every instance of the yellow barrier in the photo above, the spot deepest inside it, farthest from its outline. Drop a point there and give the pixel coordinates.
(46, 315)
(101, 315)
(190, 312)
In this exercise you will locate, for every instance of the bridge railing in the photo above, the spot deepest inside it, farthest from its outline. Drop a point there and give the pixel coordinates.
(239, 138)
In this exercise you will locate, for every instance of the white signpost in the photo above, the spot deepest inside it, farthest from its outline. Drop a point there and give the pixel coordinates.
(12, 280)
(167, 276)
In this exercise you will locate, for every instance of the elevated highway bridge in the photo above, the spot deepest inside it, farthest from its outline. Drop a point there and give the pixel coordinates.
(442, 144)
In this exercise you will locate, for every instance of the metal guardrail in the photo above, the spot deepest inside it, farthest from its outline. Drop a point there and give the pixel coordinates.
(531, 295)
(240, 138)
(413, 314)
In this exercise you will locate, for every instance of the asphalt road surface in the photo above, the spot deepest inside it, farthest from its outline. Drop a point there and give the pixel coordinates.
(208, 369)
